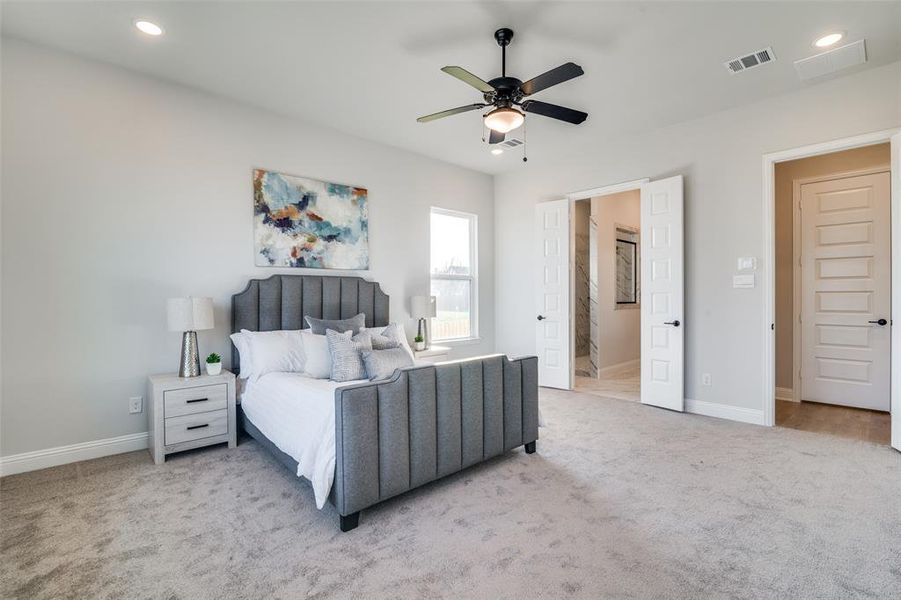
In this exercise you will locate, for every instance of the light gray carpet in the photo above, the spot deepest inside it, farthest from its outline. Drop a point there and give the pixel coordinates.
(622, 501)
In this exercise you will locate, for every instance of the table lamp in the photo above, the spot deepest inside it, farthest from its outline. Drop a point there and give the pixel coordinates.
(189, 315)
(422, 308)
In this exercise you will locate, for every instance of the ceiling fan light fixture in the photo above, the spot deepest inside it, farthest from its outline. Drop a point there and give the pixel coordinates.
(504, 120)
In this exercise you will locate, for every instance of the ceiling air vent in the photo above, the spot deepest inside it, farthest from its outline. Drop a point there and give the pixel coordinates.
(829, 62)
(512, 143)
(755, 59)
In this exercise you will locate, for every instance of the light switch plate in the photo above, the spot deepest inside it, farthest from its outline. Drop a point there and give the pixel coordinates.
(744, 281)
(747, 263)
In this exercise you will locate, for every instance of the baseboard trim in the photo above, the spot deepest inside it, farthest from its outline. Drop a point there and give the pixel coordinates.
(785, 394)
(617, 366)
(723, 411)
(62, 455)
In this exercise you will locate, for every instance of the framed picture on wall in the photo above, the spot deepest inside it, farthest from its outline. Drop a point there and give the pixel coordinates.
(301, 222)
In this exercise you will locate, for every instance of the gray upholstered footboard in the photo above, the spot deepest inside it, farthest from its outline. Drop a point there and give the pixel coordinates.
(427, 422)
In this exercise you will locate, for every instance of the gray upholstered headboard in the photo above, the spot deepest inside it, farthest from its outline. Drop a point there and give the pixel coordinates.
(282, 302)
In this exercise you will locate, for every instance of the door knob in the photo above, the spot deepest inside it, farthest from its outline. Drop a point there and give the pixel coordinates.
(880, 322)
(541, 317)
(675, 323)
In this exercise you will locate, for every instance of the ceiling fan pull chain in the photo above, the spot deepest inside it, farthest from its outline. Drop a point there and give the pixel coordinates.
(524, 140)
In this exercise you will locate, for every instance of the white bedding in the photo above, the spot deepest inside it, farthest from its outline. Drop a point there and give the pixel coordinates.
(297, 414)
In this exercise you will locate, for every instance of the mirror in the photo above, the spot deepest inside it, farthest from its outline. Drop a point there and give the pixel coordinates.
(627, 269)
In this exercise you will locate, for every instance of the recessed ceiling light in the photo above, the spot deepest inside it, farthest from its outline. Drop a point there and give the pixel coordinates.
(496, 151)
(148, 27)
(828, 40)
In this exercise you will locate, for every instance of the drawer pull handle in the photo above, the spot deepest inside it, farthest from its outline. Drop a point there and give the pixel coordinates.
(196, 400)
(198, 426)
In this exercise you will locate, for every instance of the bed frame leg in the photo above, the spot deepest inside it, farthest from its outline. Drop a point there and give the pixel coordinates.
(350, 521)
(531, 447)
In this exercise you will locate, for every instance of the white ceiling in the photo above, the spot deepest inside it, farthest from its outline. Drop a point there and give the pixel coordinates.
(371, 68)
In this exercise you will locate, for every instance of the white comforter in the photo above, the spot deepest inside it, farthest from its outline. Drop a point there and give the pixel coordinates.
(297, 414)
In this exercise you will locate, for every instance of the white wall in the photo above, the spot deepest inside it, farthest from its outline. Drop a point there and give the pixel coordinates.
(720, 157)
(619, 327)
(120, 191)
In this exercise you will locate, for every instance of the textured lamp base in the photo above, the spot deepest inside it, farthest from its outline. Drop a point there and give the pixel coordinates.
(190, 356)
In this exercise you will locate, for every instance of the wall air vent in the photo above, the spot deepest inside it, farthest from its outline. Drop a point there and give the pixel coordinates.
(755, 59)
(511, 143)
(826, 63)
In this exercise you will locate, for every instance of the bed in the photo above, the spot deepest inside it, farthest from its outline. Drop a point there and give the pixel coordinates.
(360, 443)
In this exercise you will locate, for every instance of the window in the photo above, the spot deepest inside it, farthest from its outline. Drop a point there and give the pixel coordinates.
(453, 273)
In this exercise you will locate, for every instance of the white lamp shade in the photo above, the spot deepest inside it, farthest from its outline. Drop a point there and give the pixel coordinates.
(423, 307)
(189, 314)
(504, 120)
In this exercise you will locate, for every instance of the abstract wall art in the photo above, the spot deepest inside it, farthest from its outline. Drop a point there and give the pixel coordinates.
(300, 222)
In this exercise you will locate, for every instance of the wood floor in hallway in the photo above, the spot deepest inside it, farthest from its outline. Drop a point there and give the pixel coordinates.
(856, 423)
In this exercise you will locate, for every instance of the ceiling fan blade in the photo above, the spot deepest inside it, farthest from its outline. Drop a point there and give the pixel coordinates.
(553, 111)
(562, 73)
(467, 77)
(449, 112)
(496, 137)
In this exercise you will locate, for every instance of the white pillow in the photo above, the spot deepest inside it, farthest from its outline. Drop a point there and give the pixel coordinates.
(240, 342)
(395, 331)
(273, 352)
(318, 359)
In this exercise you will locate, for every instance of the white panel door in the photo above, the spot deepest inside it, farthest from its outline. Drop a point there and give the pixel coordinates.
(662, 295)
(846, 291)
(552, 310)
(896, 290)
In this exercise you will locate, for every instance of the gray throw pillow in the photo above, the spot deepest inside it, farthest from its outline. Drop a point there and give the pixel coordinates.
(381, 364)
(320, 326)
(345, 349)
(389, 338)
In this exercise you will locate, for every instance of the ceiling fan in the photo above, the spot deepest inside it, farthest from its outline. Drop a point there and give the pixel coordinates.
(504, 93)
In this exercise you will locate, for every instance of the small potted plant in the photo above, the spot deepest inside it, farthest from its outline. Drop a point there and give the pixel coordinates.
(213, 364)
(419, 342)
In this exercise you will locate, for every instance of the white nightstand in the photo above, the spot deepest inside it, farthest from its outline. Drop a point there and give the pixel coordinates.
(433, 355)
(190, 412)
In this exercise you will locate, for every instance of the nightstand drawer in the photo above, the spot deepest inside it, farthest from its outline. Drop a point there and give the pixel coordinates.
(188, 401)
(196, 426)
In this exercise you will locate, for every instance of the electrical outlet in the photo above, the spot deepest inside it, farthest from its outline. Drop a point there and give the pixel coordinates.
(135, 404)
(706, 379)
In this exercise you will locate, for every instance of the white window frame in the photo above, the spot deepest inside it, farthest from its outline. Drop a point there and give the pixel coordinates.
(473, 277)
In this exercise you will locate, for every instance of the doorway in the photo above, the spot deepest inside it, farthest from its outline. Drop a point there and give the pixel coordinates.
(606, 295)
(834, 264)
(659, 288)
(833, 237)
